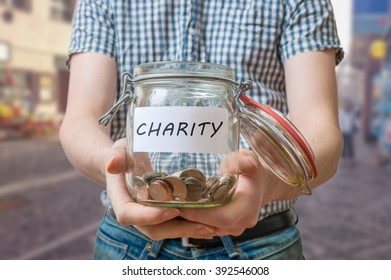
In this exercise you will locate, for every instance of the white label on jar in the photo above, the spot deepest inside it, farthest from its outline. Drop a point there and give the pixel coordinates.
(181, 129)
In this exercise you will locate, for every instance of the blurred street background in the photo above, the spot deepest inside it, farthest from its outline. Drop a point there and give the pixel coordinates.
(49, 211)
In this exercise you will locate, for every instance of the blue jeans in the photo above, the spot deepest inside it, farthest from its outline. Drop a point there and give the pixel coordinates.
(127, 243)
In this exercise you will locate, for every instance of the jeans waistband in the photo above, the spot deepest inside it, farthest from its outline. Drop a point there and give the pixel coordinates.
(267, 226)
(264, 227)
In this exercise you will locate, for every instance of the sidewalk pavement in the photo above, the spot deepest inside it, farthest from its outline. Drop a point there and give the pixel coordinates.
(348, 217)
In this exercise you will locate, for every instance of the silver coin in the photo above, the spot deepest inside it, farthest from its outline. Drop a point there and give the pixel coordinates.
(228, 180)
(195, 173)
(223, 191)
(177, 174)
(212, 183)
(149, 176)
(194, 189)
(220, 193)
(179, 189)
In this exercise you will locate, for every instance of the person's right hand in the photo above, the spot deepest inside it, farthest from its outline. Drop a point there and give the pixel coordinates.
(155, 222)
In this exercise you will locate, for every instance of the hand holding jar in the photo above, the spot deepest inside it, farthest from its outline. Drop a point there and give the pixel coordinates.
(255, 185)
(184, 120)
(182, 151)
(155, 222)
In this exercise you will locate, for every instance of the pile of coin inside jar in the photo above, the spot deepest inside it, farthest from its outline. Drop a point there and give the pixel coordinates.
(189, 185)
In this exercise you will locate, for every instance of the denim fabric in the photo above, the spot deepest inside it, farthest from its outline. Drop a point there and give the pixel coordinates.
(127, 243)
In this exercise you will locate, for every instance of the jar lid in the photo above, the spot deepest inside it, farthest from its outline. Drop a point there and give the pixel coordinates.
(278, 143)
(181, 69)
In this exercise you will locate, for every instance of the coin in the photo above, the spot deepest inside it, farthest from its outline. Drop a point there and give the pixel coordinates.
(192, 172)
(179, 189)
(228, 180)
(139, 187)
(194, 189)
(223, 191)
(160, 190)
(149, 176)
(220, 193)
(187, 185)
(210, 186)
(142, 193)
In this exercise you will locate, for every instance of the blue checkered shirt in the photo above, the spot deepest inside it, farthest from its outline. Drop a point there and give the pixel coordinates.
(255, 38)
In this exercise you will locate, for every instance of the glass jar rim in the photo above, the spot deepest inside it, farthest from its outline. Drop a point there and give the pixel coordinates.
(182, 69)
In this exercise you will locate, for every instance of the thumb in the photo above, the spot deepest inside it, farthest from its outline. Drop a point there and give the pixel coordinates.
(116, 160)
(248, 163)
(244, 162)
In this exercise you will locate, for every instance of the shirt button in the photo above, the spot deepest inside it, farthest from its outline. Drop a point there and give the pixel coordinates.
(193, 32)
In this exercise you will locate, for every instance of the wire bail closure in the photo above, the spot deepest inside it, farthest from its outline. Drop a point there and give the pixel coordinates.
(242, 87)
(125, 98)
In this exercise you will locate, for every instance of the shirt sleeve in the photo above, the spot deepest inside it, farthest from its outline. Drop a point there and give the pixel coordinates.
(309, 26)
(93, 29)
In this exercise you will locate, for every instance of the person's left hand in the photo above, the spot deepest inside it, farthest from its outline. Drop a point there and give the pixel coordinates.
(254, 189)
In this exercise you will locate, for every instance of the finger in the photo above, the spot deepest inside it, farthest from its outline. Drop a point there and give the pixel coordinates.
(177, 228)
(240, 213)
(127, 211)
(237, 215)
(137, 214)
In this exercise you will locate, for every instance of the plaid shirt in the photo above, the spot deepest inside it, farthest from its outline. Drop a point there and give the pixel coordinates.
(255, 38)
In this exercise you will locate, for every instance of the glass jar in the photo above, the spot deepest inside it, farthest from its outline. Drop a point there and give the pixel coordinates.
(183, 127)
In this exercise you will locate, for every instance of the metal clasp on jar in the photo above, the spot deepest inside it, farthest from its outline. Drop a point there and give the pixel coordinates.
(125, 98)
(240, 88)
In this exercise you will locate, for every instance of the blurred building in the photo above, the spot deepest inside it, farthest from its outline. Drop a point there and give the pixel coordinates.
(370, 56)
(34, 37)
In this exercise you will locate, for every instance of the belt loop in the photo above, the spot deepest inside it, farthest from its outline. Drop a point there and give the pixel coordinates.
(155, 248)
(186, 243)
(295, 216)
(231, 249)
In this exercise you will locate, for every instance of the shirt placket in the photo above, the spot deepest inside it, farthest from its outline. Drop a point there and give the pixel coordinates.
(192, 31)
